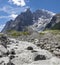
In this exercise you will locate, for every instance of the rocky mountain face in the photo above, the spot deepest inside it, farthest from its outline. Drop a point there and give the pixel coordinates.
(55, 22)
(22, 20)
(8, 26)
(36, 20)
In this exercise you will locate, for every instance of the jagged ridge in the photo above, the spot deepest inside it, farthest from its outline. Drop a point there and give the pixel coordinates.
(37, 20)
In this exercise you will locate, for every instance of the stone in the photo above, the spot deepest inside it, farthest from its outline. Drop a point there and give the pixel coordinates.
(3, 49)
(11, 57)
(29, 48)
(57, 53)
(58, 47)
(4, 60)
(40, 57)
(12, 52)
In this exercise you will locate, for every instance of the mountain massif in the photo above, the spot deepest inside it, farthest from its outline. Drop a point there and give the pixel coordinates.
(37, 20)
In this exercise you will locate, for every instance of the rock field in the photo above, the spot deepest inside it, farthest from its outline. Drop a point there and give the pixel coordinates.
(15, 52)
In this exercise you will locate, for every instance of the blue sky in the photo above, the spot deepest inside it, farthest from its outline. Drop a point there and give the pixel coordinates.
(9, 9)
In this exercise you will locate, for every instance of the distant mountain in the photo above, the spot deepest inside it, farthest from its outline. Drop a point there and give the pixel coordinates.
(36, 20)
(41, 19)
(54, 23)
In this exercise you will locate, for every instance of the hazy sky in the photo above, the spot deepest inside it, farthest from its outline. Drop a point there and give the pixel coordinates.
(9, 9)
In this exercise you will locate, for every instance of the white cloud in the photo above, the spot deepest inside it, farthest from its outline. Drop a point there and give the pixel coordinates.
(18, 2)
(1, 27)
(12, 16)
(8, 9)
(12, 10)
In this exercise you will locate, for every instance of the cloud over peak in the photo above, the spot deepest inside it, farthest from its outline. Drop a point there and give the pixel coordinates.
(18, 2)
(13, 16)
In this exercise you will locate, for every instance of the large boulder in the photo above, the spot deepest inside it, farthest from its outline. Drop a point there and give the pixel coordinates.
(4, 40)
(5, 61)
(3, 50)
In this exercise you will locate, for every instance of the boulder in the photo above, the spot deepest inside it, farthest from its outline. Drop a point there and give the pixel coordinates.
(3, 49)
(40, 57)
(57, 53)
(4, 61)
(29, 48)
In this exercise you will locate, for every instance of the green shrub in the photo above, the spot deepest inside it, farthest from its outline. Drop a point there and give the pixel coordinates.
(25, 33)
(54, 32)
(1, 34)
(17, 33)
(42, 33)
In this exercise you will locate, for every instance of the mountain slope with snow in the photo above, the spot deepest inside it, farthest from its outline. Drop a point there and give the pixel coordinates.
(44, 17)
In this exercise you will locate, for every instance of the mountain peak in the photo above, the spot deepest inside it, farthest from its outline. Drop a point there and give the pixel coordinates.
(28, 9)
(29, 18)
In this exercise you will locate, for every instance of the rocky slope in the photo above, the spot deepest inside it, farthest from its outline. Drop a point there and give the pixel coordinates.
(56, 26)
(44, 50)
(36, 20)
(55, 22)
